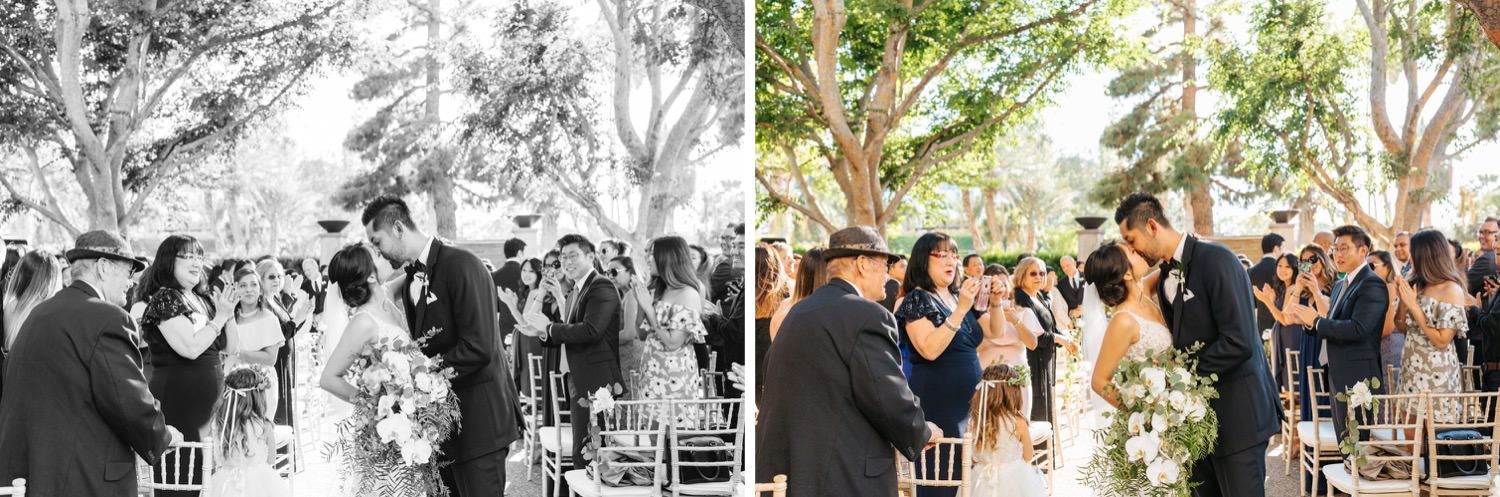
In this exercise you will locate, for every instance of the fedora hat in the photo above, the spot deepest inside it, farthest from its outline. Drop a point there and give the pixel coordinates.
(102, 244)
(856, 241)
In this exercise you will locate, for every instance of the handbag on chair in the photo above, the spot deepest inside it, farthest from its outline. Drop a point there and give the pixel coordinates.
(1449, 469)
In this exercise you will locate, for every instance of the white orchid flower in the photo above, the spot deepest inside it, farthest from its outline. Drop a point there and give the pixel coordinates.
(396, 360)
(1156, 380)
(1177, 400)
(1162, 471)
(1137, 423)
(1159, 423)
(395, 427)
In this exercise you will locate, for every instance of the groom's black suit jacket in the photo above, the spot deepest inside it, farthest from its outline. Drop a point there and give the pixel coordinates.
(1221, 315)
(460, 304)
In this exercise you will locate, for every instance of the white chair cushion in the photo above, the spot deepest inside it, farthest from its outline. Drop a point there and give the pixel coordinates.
(581, 484)
(283, 435)
(1388, 434)
(719, 488)
(1340, 479)
(1477, 482)
(1327, 439)
(1041, 431)
(548, 434)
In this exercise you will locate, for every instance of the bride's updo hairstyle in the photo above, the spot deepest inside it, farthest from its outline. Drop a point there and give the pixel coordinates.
(1106, 270)
(351, 269)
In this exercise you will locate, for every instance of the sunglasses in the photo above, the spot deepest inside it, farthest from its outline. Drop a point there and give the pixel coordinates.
(615, 273)
(1035, 274)
(555, 265)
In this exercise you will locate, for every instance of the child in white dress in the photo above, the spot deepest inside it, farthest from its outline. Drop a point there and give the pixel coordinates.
(244, 438)
(1002, 439)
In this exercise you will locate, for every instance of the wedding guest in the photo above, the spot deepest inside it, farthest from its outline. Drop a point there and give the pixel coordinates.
(1264, 273)
(831, 425)
(313, 285)
(245, 440)
(1401, 248)
(1461, 257)
(701, 263)
(589, 335)
(611, 248)
(893, 285)
(811, 274)
(291, 310)
(726, 290)
(508, 278)
(12, 258)
(621, 271)
(1002, 440)
(1484, 319)
(1018, 331)
(526, 343)
(673, 323)
(184, 329)
(1320, 268)
(254, 335)
(942, 335)
(1308, 289)
(1055, 302)
(37, 277)
(973, 267)
(788, 262)
(1483, 263)
(1391, 344)
(770, 293)
(76, 410)
(1351, 329)
(1323, 240)
(1285, 336)
(1027, 282)
(1070, 286)
(1432, 316)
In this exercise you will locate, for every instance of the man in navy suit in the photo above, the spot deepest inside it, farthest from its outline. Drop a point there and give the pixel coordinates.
(1204, 293)
(1356, 316)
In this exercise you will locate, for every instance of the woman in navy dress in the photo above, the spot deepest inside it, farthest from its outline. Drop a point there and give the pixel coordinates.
(940, 328)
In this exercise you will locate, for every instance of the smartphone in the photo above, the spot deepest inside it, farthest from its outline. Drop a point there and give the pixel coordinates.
(982, 303)
(1304, 267)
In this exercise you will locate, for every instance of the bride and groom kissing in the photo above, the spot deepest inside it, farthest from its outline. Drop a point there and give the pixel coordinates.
(448, 297)
(1200, 294)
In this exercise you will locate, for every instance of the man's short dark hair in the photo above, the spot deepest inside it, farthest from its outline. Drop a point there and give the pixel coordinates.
(513, 247)
(386, 210)
(971, 257)
(739, 228)
(1491, 219)
(581, 241)
(1137, 208)
(1356, 234)
(1269, 243)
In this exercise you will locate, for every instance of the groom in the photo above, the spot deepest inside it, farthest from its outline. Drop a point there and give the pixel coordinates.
(450, 297)
(1204, 293)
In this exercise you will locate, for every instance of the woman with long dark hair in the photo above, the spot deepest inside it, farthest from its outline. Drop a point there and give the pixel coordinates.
(935, 324)
(1391, 343)
(1284, 336)
(812, 273)
(1432, 316)
(1310, 286)
(184, 329)
(674, 322)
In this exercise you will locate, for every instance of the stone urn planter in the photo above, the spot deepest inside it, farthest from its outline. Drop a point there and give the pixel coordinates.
(1090, 222)
(526, 220)
(1283, 216)
(333, 225)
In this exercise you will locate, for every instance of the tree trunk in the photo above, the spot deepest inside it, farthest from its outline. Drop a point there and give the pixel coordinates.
(441, 187)
(972, 219)
(1200, 198)
(1488, 13)
(1201, 202)
(990, 220)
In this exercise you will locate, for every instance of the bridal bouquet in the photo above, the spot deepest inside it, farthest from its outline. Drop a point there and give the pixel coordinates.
(403, 411)
(1163, 424)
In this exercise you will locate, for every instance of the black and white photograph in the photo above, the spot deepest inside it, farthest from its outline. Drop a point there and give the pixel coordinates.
(411, 248)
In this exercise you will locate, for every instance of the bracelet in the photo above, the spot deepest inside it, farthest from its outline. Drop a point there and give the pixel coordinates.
(950, 326)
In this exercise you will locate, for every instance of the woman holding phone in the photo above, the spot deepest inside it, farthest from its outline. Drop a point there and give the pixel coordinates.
(939, 325)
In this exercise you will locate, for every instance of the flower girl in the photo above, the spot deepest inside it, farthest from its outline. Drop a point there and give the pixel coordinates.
(1002, 440)
(244, 438)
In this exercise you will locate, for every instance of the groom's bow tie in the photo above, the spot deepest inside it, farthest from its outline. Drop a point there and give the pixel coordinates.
(1169, 264)
(415, 267)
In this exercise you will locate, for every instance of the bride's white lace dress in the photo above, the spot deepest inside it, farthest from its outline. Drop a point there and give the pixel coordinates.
(1004, 472)
(1154, 337)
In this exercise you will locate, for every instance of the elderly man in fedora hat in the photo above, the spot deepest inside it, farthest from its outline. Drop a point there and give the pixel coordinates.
(835, 402)
(76, 409)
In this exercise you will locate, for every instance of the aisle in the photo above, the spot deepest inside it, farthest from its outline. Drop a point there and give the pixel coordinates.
(320, 477)
(1077, 454)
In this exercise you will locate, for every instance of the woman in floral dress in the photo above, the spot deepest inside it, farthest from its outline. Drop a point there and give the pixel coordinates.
(1432, 316)
(669, 368)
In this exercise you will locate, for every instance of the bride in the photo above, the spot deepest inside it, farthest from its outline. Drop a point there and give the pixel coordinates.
(357, 273)
(1121, 277)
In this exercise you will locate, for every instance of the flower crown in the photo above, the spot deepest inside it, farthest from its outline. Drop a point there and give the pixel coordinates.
(262, 381)
(1020, 377)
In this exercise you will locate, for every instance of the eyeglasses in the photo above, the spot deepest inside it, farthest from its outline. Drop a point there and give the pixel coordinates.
(1488, 232)
(190, 257)
(273, 276)
(943, 255)
(570, 256)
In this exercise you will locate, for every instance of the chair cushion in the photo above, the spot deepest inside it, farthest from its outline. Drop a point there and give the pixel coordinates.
(716, 488)
(581, 484)
(1041, 431)
(1476, 482)
(1327, 439)
(548, 434)
(1340, 479)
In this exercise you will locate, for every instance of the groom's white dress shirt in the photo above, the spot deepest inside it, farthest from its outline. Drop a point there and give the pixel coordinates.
(1172, 282)
(415, 292)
